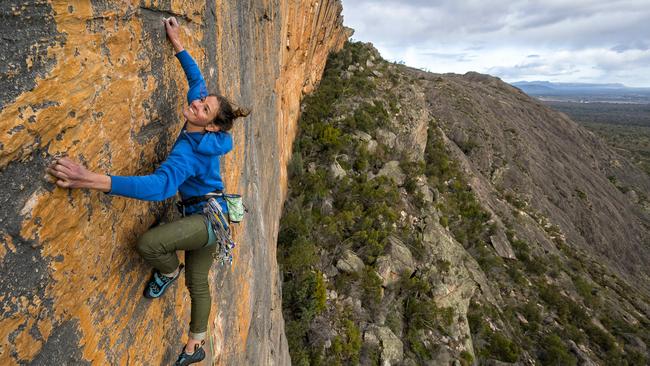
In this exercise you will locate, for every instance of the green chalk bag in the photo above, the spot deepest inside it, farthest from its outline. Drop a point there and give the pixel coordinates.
(236, 208)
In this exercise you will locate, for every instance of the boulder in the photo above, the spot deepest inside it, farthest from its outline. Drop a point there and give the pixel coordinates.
(372, 146)
(311, 167)
(442, 355)
(387, 138)
(331, 271)
(386, 271)
(349, 263)
(392, 170)
(493, 362)
(370, 338)
(422, 186)
(337, 171)
(327, 206)
(391, 347)
(409, 362)
(362, 136)
(398, 260)
(401, 254)
(581, 352)
(502, 245)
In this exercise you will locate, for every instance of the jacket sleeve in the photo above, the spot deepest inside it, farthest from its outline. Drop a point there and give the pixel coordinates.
(160, 185)
(195, 80)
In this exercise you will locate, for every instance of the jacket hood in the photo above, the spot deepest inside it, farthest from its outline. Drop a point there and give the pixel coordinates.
(209, 143)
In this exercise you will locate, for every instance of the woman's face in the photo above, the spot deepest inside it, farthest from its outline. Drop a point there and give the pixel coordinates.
(202, 111)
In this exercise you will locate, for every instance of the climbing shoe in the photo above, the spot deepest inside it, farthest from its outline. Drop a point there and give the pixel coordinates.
(159, 283)
(197, 356)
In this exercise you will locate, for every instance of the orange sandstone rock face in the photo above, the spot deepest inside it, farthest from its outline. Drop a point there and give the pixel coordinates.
(98, 82)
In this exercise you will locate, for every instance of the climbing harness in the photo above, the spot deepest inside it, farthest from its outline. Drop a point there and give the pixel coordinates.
(184, 204)
(234, 202)
(217, 221)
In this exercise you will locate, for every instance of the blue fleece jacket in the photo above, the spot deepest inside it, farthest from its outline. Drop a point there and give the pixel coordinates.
(192, 167)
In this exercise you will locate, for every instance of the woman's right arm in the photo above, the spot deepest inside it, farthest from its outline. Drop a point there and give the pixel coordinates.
(195, 80)
(161, 184)
(70, 174)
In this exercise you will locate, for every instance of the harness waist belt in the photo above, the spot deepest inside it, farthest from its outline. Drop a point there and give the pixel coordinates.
(197, 199)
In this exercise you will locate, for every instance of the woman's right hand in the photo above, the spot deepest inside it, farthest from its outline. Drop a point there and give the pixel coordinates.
(70, 174)
(173, 33)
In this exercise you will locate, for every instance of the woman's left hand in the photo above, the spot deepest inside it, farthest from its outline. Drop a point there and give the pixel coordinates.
(173, 33)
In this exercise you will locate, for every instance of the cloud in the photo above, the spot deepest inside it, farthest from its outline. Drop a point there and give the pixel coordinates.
(596, 64)
(460, 57)
(634, 45)
(577, 39)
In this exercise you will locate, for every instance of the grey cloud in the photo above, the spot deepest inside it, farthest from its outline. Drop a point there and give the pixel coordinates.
(636, 45)
(460, 57)
(580, 25)
(524, 71)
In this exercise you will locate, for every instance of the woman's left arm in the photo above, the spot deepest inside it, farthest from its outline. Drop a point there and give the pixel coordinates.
(197, 87)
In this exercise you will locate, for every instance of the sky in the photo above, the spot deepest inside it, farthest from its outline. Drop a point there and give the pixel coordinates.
(589, 41)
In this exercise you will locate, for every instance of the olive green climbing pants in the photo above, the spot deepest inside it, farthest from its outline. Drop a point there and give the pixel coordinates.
(158, 247)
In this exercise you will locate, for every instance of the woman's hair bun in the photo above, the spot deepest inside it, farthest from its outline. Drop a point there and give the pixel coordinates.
(241, 112)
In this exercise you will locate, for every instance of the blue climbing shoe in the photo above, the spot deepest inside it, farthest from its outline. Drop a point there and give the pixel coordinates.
(185, 359)
(159, 283)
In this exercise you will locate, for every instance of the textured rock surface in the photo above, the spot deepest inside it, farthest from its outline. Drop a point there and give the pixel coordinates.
(514, 146)
(98, 81)
(350, 263)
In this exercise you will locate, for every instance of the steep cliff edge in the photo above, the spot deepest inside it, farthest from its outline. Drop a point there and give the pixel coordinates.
(97, 81)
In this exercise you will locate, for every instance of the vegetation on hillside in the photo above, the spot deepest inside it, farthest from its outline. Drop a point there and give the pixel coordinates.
(622, 114)
(553, 305)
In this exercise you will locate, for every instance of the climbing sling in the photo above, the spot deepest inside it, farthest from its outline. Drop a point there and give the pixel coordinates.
(218, 223)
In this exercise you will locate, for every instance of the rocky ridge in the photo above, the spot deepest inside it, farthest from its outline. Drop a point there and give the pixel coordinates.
(450, 219)
(97, 81)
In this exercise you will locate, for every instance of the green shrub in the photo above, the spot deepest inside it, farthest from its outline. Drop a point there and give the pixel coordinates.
(371, 286)
(585, 289)
(466, 358)
(516, 274)
(582, 195)
(296, 332)
(555, 352)
(346, 348)
(502, 348)
(606, 342)
(531, 312)
(371, 354)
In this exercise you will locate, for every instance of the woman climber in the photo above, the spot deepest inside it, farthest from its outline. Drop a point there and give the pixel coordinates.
(192, 168)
